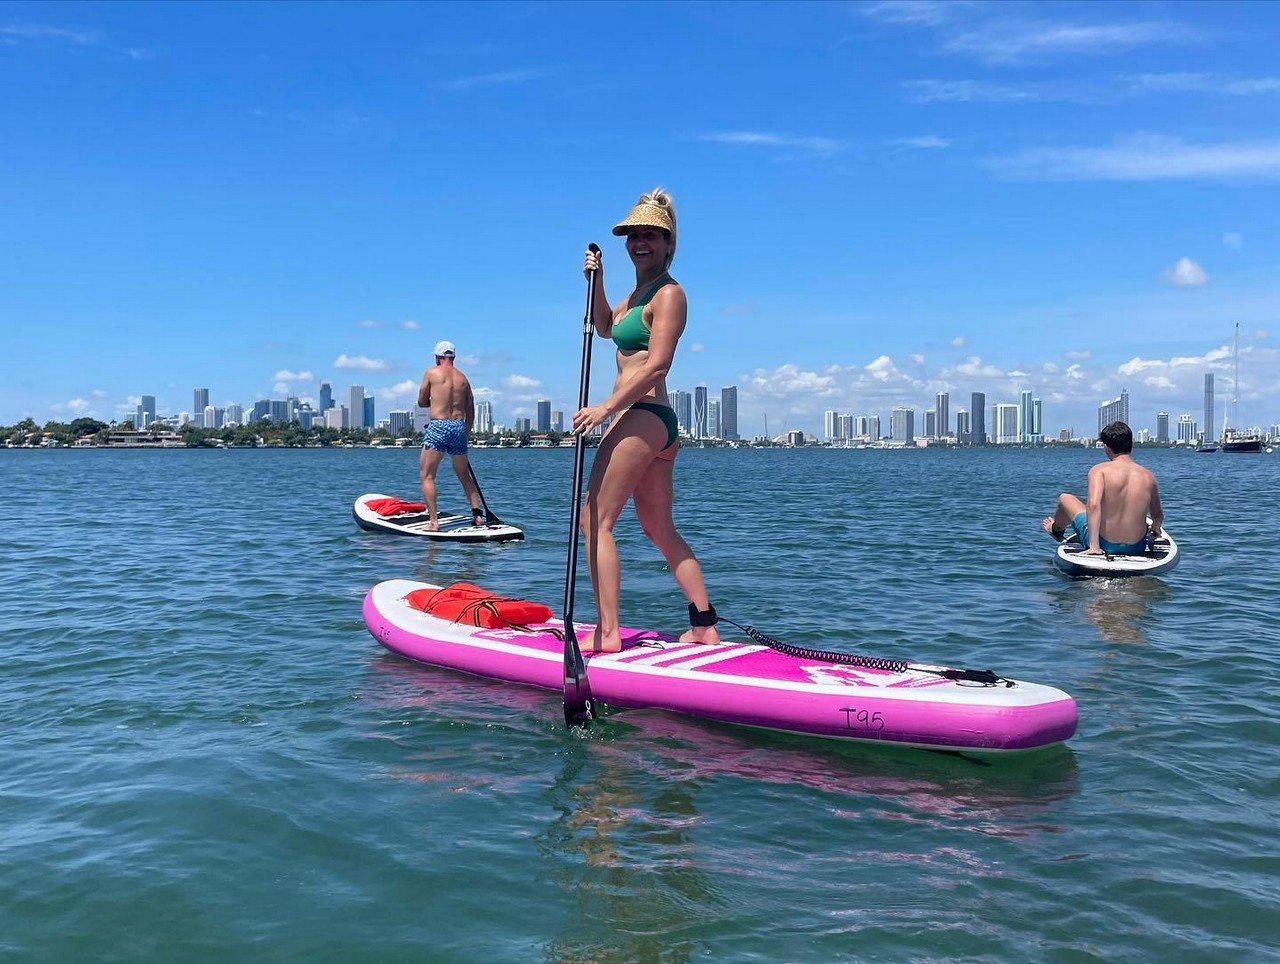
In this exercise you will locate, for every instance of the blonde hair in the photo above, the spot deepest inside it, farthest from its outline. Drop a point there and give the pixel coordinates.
(660, 198)
(654, 210)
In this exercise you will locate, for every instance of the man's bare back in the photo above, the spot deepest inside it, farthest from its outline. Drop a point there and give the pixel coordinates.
(446, 392)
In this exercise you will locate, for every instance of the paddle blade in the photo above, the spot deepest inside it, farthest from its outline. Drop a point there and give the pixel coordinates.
(577, 691)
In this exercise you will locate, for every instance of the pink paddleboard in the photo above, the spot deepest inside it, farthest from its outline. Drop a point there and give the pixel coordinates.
(740, 682)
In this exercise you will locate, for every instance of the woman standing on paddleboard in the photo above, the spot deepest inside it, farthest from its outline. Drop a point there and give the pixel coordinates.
(636, 458)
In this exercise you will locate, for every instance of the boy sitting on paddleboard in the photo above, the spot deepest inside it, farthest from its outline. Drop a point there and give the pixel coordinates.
(1122, 494)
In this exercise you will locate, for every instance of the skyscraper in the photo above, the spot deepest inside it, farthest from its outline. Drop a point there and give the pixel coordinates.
(1026, 417)
(484, 417)
(713, 419)
(1208, 405)
(699, 411)
(831, 425)
(682, 403)
(201, 400)
(326, 396)
(370, 416)
(942, 405)
(873, 428)
(729, 412)
(398, 422)
(931, 424)
(148, 410)
(1006, 428)
(1186, 429)
(1037, 422)
(557, 421)
(1116, 410)
(978, 418)
(544, 416)
(962, 425)
(1162, 426)
(902, 425)
(355, 406)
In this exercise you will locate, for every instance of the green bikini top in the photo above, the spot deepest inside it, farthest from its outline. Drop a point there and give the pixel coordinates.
(630, 333)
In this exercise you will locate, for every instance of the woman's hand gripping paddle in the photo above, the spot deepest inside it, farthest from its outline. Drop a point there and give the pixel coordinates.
(577, 690)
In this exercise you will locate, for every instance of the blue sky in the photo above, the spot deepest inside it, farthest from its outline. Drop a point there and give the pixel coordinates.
(877, 201)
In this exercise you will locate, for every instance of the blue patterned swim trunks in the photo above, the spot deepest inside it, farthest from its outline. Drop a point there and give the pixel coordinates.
(447, 435)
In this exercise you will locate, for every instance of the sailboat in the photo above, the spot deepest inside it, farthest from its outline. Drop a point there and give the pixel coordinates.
(1238, 440)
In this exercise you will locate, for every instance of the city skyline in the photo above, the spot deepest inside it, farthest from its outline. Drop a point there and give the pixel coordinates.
(1069, 199)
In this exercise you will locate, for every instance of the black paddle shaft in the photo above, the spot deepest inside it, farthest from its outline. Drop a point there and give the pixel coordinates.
(490, 517)
(577, 691)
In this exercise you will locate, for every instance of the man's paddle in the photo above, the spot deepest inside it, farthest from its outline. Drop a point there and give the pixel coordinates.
(490, 517)
(577, 690)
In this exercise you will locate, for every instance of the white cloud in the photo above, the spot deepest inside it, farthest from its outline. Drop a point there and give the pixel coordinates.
(284, 375)
(359, 363)
(1185, 273)
(400, 396)
(521, 381)
(822, 146)
(409, 325)
(958, 342)
(368, 323)
(973, 367)
(503, 78)
(1144, 157)
(1159, 381)
(925, 13)
(1233, 240)
(1012, 42)
(697, 346)
(882, 368)
(977, 91)
(98, 393)
(925, 143)
(1078, 354)
(1189, 83)
(917, 358)
(78, 406)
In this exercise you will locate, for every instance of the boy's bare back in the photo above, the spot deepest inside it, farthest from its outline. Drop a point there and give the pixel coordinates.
(1125, 493)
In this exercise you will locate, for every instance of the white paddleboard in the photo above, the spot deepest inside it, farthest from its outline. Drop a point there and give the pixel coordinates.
(1070, 558)
(453, 528)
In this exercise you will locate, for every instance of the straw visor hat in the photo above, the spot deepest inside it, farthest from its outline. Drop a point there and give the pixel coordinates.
(648, 214)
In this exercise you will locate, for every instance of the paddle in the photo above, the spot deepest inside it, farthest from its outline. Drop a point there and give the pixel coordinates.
(577, 690)
(490, 517)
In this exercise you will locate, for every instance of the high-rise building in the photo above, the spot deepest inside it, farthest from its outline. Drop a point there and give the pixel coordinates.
(544, 415)
(873, 427)
(279, 412)
(261, 409)
(523, 424)
(846, 427)
(930, 423)
(1208, 405)
(557, 421)
(235, 414)
(942, 405)
(148, 410)
(326, 396)
(1162, 426)
(682, 403)
(370, 416)
(1186, 429)
(978, 420)
(1026, 418)
(700, 411)
(484, 417)
(399, 421)
(902, 425)
(355, 406)
(831, 425)
(713, 418)
(1037, 422)
(1006, 418)
(729, 412)
(962, 425)
(209, 417)
(201, 400)
(1116, 410)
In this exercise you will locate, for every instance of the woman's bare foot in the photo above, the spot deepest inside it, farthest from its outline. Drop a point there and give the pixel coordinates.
(701, 634)
(602, 642)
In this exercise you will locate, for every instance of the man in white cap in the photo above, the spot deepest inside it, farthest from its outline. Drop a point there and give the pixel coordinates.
(446, 393)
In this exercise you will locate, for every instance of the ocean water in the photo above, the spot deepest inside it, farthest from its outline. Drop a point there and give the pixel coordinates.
(207, 758)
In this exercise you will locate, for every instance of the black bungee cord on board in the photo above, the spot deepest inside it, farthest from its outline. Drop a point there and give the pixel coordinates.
(983, 677)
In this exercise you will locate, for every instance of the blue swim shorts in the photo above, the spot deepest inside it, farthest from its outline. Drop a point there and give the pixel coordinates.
(1081, 525)
(447, 435)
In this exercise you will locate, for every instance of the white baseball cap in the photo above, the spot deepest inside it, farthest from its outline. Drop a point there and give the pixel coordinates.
(444, 349)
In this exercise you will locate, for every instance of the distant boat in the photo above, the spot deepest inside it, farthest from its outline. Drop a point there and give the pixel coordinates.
(1206, 448)
(1238, 440)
